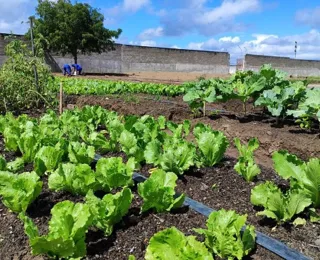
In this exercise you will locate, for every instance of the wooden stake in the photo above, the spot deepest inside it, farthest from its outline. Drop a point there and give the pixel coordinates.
(61, 99)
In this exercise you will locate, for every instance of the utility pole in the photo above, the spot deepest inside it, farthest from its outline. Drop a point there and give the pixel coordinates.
(34, 54)
(295, 49)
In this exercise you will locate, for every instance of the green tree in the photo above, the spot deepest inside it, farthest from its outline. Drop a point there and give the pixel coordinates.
(73, 28)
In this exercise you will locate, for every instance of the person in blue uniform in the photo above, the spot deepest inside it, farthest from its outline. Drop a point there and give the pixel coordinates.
(77, 68)
(66, 70)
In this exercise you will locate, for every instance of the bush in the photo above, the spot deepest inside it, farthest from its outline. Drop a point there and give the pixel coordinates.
(18, 87)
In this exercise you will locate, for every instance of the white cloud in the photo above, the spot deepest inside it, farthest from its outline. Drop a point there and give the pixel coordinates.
(148, 43)
(197, 16)
(151, 33)
(230, 39)
(134, 5)
(13, 12)
(309, 17)
(266, 44)
(221, 44)
(113, 14)
(228, 10)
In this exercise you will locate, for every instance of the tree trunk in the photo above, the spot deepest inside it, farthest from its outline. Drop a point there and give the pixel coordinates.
(75, 55)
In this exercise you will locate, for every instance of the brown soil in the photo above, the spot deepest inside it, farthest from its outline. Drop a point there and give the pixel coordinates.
(154, 77)
(131, 236)
(231, 191)
(230, 120)
(221, 187)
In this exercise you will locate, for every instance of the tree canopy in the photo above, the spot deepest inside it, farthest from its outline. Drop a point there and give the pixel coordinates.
(73, 28)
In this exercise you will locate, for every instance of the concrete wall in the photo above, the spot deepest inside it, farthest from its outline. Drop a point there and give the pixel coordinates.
(294, 67)
(129, 58)
(2, 46)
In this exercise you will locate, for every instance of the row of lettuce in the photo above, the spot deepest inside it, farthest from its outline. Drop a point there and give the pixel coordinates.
(64, 147)
(269, 88)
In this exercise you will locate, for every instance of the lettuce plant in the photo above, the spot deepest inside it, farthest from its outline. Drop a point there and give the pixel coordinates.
(113, 173)
(212, 145)
(130, 145)
(77, 179)
(308, 108)
(224, 236)
(158, 192)
(246, 166)
(303, 175)
(171, 243)
(18, 191)
(279, 206)
(29, 142)
(174, 156)
(11, 135)
(109, 210)
(80, 153)
(67, 231)
(47, 159)
(16, 165)
(246, 89)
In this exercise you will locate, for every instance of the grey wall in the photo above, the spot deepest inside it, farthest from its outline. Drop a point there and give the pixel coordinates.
(2, 46)
(294, 67)
(129, 58)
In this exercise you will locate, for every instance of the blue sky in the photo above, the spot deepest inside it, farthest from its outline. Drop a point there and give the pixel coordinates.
(237, 26)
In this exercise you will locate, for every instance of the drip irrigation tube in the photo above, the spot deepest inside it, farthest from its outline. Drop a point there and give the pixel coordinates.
(263, 240)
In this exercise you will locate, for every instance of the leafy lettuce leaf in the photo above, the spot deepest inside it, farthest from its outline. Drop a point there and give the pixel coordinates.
(81, 153)
(109, 210)
(171, 243)
(16, 165)
(77, 179)
(47, 159)
(158, 192)
(113, 173)
(246, 166)
(223, 235)
(278, 206)
(175, 156)
(305, 175)
(18, 191)
(67, 230)
(212, 146)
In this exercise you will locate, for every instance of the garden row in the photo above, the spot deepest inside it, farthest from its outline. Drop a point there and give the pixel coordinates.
(268, 88)
(63, 148)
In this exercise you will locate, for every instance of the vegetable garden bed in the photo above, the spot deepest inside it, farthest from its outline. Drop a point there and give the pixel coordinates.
(131, 236)
(303, 143)
(218, 187)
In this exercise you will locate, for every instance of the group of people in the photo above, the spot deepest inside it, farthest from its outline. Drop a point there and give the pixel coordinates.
(75, 68)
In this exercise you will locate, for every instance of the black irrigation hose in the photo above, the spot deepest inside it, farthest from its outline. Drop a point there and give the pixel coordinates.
(263, 240)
